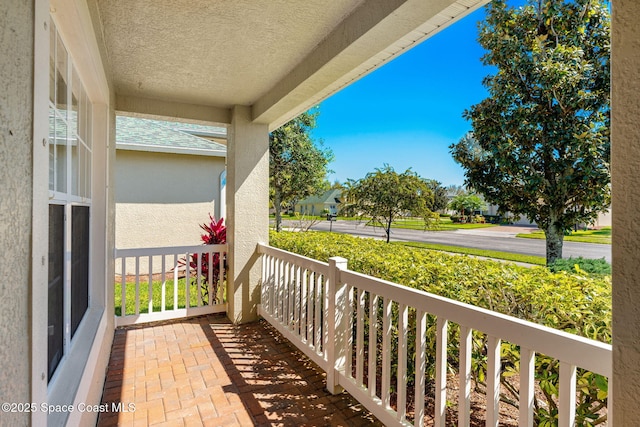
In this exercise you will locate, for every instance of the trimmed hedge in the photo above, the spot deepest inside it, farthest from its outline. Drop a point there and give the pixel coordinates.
(575, 302)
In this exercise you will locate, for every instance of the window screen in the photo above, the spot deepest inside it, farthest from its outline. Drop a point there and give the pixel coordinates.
(79, 264)
(56, 286)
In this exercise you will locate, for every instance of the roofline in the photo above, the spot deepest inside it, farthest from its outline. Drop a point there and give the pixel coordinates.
(171, 150)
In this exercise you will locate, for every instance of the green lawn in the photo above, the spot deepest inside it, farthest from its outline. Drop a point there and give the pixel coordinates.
(157, 296)
(588, 236)
(444, 224)
(529, 259)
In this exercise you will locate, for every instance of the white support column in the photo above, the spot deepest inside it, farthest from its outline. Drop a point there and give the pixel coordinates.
(247, 211)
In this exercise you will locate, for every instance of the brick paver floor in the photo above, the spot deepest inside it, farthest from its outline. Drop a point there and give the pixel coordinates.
(205, 371)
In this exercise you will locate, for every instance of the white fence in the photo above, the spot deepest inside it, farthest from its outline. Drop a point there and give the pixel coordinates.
(327, 311)
(174, 282)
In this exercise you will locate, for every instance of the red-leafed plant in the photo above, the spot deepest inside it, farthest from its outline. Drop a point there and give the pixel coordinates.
(215, 234)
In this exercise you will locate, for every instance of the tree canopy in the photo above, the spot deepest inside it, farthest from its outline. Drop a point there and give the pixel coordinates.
(540, 141)
(440, 199)
(467, 203)
(385, 195)
(297, 165)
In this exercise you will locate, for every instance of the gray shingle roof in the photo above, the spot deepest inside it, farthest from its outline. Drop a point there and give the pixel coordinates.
(329, 196)
(154, 135)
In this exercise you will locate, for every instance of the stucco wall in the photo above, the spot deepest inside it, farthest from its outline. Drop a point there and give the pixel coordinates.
(625, 151)
(161, 199)
(16, 165)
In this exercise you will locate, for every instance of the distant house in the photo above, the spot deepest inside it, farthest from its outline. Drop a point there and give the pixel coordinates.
(327, 202)
(168, 178)
(603, 219)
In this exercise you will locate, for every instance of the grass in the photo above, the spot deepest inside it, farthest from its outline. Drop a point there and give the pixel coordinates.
(508, 256)
(130, 296)
(410, 223)
(584, 236)
(444, 224)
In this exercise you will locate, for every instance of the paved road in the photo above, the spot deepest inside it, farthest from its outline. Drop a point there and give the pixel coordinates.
(495, 238)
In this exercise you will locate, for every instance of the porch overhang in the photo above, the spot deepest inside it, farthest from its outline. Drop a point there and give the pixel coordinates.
(195, 60)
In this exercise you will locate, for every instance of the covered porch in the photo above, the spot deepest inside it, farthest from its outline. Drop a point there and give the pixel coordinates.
(250, 67)
(333, 347)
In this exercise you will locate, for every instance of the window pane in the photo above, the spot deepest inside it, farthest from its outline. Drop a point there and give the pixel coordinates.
(88, 118)
(52, 148)
(79, 264)
(52, 63)
(75, 161)
(61, 155)
(55, 289)
(76, 94)
(61, 78)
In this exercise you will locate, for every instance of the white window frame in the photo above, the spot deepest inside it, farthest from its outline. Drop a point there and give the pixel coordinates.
(67, 198)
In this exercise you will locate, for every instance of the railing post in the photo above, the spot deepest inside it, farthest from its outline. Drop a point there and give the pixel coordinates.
(337, 324)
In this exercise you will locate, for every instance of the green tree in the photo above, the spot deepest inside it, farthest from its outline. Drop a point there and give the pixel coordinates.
(467, 203)
(297, 165)
(540, 141)
(384, 195)
(440, 199)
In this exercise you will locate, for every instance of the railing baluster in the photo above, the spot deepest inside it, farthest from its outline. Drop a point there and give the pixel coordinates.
(220, 288)
(278, 291)
(493, 381)
(150, 302)
(297, 291)
(199, 281)
(360, 338)
(137, 285)
(175, 281)
(271, 284)
(304, 327)
(386, 352)
(187, 284)
(348, 315)
(373, 343)
(164, 285)
(567, 395)
(325, 315)
(527, 382)
(421, 365)
(210, 277)
(440, 415)
(403, 319)
(287, 295)
(123, 279)
(464, 375)
(318, 305)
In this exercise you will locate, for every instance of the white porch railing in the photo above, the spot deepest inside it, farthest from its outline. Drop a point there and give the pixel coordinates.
(165, 283)
(323, 309)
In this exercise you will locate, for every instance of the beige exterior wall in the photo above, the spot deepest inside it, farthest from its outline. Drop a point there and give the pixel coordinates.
(16, 175)
(625, 161)
(161, 199)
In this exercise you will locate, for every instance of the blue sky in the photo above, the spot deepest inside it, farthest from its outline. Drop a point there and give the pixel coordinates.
(408, 112)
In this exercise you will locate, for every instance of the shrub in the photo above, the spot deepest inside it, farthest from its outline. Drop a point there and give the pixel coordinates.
(575, 303)
(215, 233)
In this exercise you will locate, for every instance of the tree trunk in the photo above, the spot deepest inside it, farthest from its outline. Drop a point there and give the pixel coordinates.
(555, 238)
(278, 209)
(388, 229)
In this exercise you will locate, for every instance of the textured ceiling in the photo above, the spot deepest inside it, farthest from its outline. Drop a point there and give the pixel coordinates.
(196, 59)
(214, 52)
